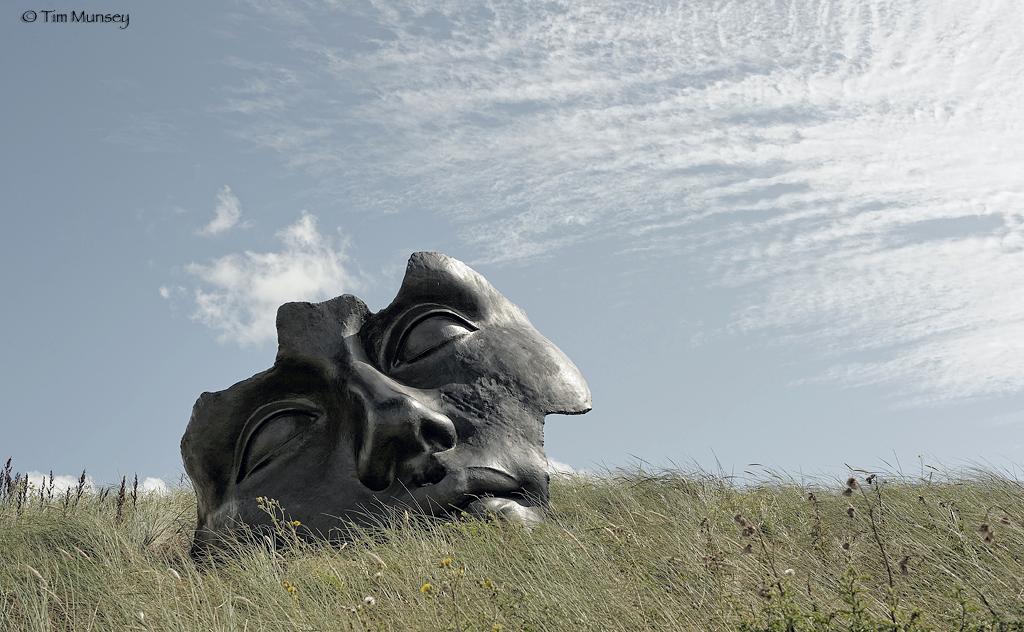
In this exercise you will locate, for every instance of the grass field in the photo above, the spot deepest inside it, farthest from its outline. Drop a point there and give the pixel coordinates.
(624, 551)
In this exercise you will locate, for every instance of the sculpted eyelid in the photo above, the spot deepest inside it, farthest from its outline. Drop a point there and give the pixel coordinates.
(407, 322)
(243, 474)
(261, 417)
(455, 318)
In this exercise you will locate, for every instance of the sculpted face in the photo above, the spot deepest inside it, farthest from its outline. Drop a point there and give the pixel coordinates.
(435, 404)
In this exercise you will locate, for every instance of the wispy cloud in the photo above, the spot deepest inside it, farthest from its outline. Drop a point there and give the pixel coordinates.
(239, 293)
(226, 215)
(172, 293)
(850, 168)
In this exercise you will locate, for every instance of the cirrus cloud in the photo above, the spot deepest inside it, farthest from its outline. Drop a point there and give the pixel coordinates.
(850, 169)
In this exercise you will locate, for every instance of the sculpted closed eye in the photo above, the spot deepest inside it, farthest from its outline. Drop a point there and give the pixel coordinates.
(270, 436)
(429, 334)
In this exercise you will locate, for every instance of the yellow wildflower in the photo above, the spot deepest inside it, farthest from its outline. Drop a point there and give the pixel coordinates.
(487, 583)
(446, 562)
(296, 523)
(426, 587)
(290, 587)
(497, 627)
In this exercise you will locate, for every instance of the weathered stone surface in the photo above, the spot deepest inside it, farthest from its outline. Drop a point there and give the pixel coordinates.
(436, 403)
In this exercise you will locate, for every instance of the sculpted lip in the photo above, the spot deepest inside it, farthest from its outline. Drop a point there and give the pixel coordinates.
(504, 497)
(507, 509)
(462, 487)
(485, 476)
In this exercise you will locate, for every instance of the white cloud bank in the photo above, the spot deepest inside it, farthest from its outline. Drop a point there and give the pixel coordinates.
(853, 168)
(558, 469)
(225, 216)
(61, 482)
(64, 482)
(240, 293)
(153, 485)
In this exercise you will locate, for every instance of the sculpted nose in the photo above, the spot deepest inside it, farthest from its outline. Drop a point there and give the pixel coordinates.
(398, 434)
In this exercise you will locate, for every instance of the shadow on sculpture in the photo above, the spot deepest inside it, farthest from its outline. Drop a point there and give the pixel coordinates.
(434, 404)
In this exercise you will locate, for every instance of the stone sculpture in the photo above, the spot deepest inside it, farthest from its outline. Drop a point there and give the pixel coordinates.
(435, 404)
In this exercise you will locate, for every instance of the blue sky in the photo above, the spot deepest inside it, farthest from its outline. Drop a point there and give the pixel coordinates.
(786, 233)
